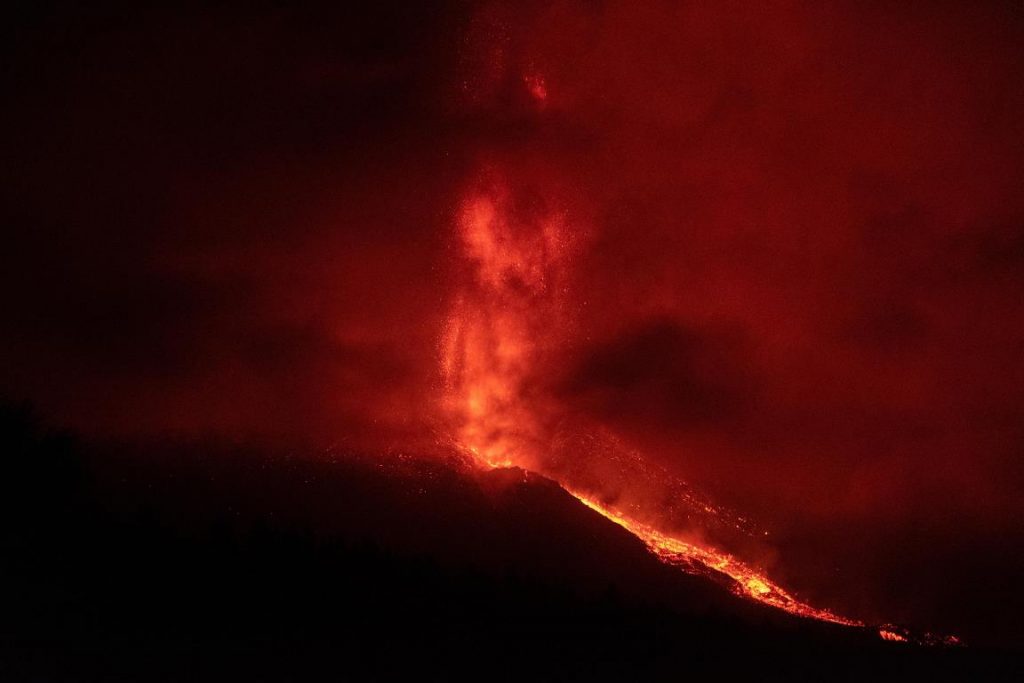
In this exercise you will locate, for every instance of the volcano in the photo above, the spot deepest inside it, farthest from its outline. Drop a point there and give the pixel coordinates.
(540, 339)
(196, 561)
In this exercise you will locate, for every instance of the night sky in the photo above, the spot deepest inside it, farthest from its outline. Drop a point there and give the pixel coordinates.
(795, 281)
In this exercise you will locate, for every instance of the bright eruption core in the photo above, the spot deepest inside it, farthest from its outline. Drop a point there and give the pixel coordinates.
(513, 310)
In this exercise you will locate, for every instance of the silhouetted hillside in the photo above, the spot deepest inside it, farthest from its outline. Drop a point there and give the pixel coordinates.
(215, 562)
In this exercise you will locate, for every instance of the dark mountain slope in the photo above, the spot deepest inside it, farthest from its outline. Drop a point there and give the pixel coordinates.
(211, 562)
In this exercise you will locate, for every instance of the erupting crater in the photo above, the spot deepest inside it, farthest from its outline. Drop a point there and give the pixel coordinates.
(512, 313)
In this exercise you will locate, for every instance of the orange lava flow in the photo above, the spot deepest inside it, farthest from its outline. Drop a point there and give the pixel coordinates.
(693, 558)
(891, 635)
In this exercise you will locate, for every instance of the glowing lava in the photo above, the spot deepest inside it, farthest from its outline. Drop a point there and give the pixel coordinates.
(891, 635)
(537, 88)
(500, 325)
(697, 559)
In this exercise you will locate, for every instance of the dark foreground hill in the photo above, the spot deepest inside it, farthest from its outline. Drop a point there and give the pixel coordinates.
(186, 562)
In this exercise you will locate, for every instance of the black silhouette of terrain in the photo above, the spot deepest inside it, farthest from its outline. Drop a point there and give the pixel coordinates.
(187, 562)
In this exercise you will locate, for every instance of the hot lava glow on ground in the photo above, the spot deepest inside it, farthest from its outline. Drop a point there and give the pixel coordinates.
(748, 582)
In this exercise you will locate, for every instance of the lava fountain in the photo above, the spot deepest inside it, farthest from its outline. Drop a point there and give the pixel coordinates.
(512, 314)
